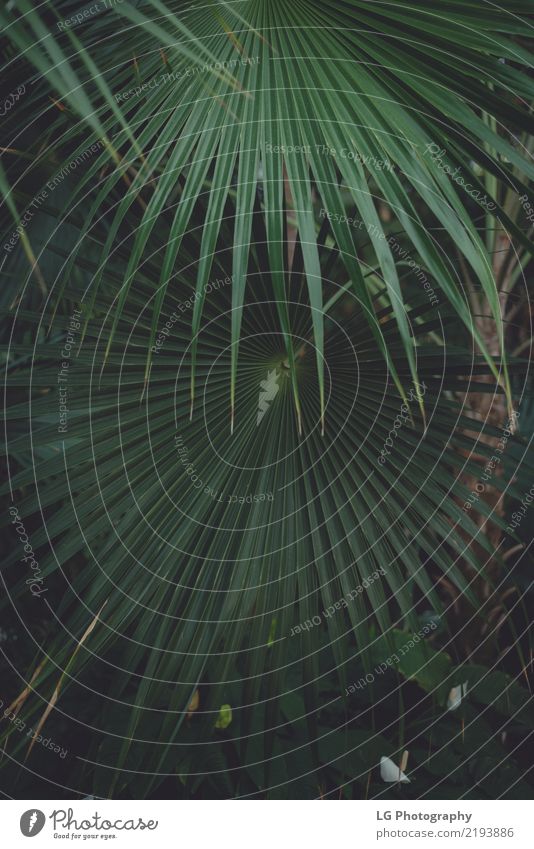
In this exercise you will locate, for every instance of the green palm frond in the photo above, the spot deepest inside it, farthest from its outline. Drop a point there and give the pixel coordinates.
(208, 548)
(320, 97)
(203, 250)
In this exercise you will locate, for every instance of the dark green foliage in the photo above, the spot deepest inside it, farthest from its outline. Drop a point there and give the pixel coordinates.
(232, 412)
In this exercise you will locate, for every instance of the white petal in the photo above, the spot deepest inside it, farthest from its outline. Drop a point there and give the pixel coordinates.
(390, 772)
(456, 695)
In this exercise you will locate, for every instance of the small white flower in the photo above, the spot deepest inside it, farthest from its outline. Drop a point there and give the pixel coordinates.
(390, 772)
(456, 695)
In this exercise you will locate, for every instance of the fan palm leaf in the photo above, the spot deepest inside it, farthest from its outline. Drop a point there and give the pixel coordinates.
(200, 542)
(210, 244)
(320, 98)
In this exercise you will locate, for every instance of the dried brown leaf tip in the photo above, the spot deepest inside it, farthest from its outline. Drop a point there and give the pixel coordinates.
(193, 705)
